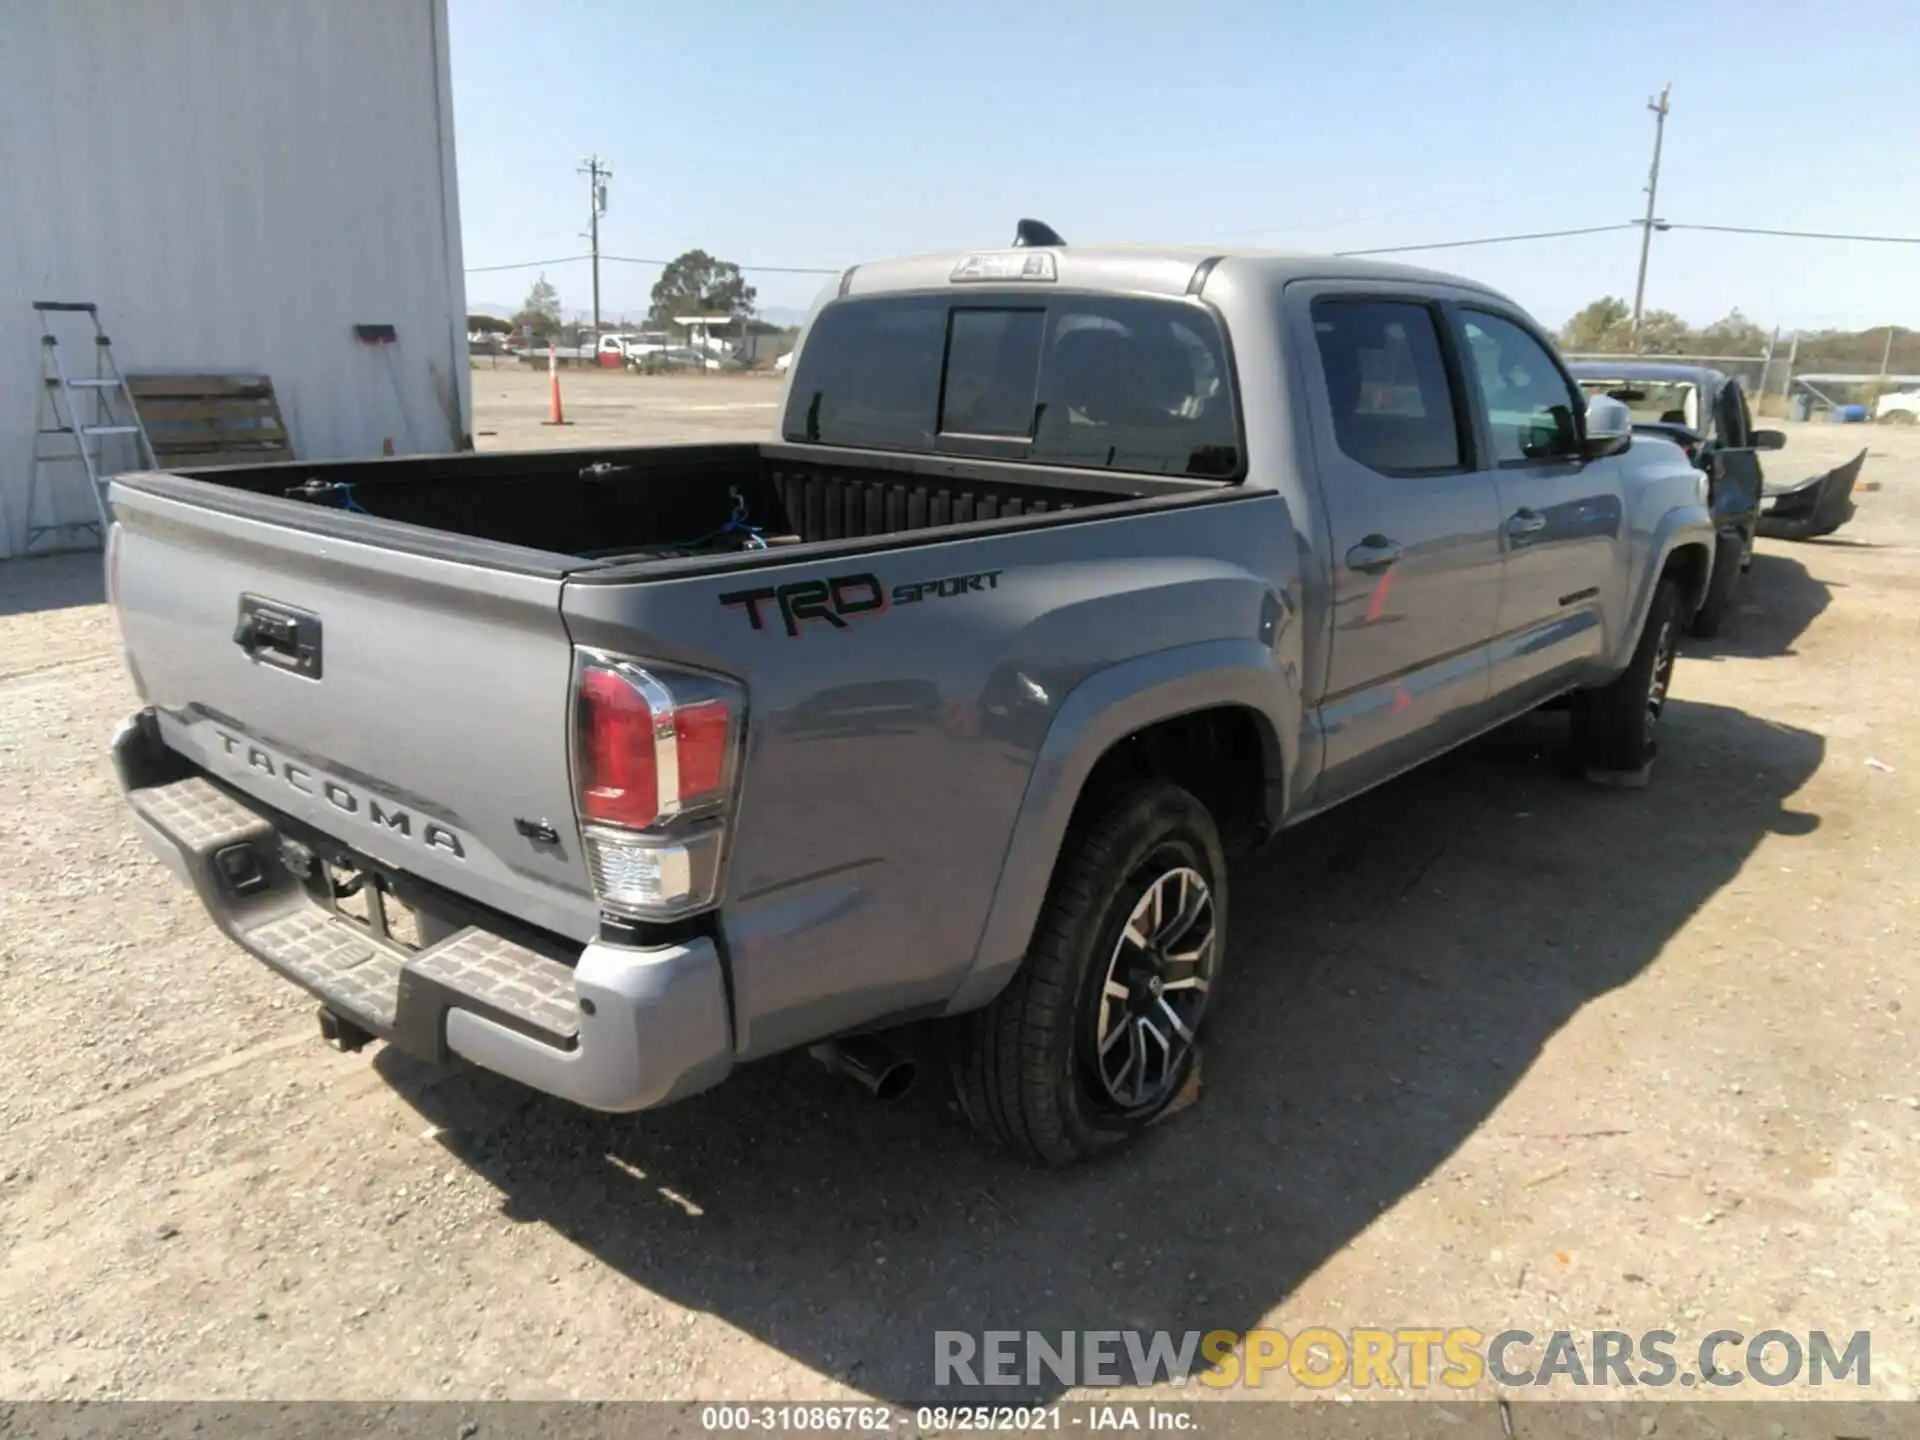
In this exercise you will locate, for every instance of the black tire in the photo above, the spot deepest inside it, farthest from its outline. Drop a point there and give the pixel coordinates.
(1614, 726)
(1728, 555)
(1027, 1067)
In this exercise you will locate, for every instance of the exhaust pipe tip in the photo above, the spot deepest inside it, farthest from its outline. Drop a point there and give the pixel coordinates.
(876, 1067)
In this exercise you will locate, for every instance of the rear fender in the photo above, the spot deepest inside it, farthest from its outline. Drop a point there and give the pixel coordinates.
(1103, 710)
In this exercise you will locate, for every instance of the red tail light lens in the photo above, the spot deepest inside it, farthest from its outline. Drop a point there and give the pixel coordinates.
(618, 762)
(650, 745)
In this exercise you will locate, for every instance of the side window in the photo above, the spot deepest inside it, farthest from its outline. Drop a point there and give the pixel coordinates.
(1530, 409)
(1387, 384)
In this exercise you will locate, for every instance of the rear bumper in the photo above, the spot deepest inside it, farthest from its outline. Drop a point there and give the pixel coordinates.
(611, 1028)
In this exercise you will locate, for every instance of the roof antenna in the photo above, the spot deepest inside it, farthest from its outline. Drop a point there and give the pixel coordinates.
(1036, 232)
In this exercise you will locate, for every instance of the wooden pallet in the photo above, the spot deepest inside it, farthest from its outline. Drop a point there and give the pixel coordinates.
(196, 420)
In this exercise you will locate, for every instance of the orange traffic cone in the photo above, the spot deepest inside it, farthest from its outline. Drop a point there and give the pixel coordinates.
(554, 415)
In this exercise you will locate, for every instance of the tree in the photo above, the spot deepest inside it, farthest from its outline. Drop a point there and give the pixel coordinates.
(1661, 333)
(540, 311)
(1598, 327)
(698, 284)
(1605, 327)
(488, 325)
(1734, 334)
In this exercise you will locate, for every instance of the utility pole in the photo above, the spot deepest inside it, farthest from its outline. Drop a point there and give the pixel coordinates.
(1659, 109)
(1886, 355)
(598, 172)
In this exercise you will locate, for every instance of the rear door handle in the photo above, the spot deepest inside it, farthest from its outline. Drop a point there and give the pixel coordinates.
(1526, 522)
(1374, 552)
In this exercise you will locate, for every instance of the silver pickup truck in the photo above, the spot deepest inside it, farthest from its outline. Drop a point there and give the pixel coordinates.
(1070, 571)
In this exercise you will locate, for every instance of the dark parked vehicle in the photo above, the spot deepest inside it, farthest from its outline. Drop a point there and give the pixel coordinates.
(1706, 412)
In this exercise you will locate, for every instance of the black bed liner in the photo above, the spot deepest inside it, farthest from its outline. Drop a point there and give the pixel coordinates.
(595, 512)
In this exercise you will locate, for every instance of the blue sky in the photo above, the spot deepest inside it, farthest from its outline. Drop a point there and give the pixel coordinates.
(821, 133)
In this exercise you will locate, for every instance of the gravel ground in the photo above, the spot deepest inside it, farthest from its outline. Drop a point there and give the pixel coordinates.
(1500, 1050)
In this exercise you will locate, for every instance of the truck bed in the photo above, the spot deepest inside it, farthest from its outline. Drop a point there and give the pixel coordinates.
(398, 636)
(626, 506)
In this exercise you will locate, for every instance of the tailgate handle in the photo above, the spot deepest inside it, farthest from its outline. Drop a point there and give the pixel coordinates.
(279, 635)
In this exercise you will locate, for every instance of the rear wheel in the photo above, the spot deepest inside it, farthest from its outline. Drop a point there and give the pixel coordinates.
(1097, 1035)
(1614, 727)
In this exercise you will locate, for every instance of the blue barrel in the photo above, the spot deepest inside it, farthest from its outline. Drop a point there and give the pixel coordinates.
(1849, 414)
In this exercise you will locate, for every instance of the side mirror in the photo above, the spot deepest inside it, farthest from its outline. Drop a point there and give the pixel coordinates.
(1769, 439)
(1609, 427)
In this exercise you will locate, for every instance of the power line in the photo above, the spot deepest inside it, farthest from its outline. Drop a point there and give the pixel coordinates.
(1491, 240)
(1346, 254)
(1794, 234)
(525, 264)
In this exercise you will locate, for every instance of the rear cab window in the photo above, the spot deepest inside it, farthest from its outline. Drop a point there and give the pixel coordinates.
(1094, 382)
(1651, 402)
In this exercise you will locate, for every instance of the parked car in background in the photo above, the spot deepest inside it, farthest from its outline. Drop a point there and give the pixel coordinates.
(1705, 411)
(1898, 407)
(616, 351)
(783, 364)
(653, 359)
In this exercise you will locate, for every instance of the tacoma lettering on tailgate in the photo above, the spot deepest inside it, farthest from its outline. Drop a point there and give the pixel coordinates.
(372, 808)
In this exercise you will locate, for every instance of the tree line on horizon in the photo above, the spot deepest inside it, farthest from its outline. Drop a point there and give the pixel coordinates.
(695, 283)
(1605, 327)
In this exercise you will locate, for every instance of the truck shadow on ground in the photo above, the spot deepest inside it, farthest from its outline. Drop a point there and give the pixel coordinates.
(1395, 967)
(1777, 600)
(51, 582)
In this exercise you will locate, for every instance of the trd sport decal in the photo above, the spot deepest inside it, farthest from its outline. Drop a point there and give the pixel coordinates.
(840, 598)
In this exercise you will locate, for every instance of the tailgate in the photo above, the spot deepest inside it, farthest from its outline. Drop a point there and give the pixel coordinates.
(412, 706)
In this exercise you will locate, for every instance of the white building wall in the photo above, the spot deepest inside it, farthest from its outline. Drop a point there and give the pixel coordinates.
(236, 183)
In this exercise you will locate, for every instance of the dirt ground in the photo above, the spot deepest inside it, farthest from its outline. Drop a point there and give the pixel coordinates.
(1499, 1050)
(510, 406)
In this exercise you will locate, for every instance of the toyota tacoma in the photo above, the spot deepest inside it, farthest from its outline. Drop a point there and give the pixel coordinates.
(1068, 572)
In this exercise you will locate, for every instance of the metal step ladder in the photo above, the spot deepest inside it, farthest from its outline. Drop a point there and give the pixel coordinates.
(111, 428)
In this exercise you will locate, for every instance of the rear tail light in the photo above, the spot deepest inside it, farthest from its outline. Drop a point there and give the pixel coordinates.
(654, 761)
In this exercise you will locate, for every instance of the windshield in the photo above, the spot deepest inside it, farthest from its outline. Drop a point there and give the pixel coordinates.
(1101, 382)
(1653, 402)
